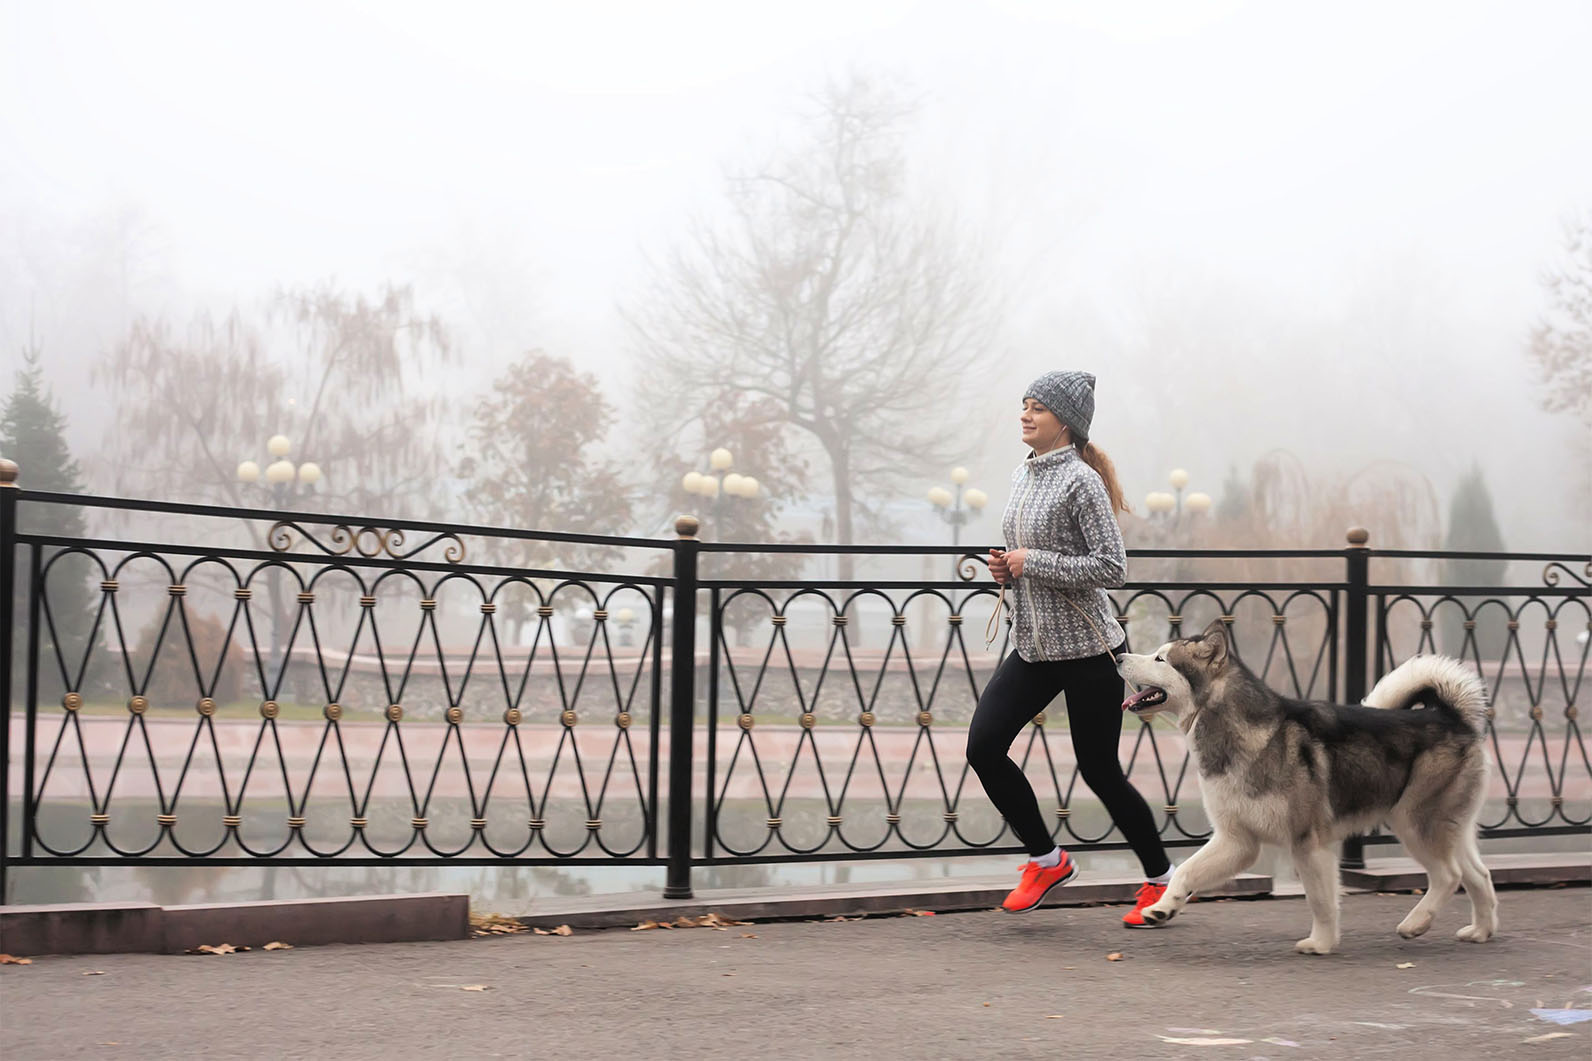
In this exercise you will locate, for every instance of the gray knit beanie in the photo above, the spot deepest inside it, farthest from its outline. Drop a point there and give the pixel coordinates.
(1070, 395)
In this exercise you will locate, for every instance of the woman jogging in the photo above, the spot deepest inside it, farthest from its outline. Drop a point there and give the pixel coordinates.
(1063, 550)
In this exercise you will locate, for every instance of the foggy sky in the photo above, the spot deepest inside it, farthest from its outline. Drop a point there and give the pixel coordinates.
(1315, 227)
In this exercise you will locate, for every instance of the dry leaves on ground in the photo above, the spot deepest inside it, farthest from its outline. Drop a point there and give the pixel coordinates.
(920, 913)
(277, 945)
(475, 987)
(1114, 956)
(1405, 965)
(220, 948)
(494, 925)
(6, 959)
(840, 917)
(714, 921)
(95, 972)
(561, 930)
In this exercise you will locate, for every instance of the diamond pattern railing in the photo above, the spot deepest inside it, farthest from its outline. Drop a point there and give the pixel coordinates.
(213, 704)
(832, 749)
(352, 696)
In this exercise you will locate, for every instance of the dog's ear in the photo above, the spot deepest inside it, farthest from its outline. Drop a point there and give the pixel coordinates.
(1215, 644)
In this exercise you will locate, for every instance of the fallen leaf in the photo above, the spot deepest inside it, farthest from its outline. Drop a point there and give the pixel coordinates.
(278, 945)
(541, 931)
(1055, 1016)
(563, 930)
(474, 987)
(1405, 965)
(920, 913)
(6, 959)
(1548, 1037)
(220, 948)
(96, 972)
(494, 925)
(645, 925)
(748, 935)
(986, 1005)
(1205, 1042)
(1114, 956)
(729, 974)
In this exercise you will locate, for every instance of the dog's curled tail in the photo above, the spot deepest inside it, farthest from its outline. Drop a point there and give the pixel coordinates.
(1433, 681)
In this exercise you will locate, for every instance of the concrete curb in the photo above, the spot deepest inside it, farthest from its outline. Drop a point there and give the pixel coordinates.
(115, 928)
(762, 904)
(1405, 874)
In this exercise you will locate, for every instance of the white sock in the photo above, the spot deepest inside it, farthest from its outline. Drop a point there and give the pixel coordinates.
(1165, 878)
(1049, 861)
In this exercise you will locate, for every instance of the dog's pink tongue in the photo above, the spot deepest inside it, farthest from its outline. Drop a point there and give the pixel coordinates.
(1135, 698)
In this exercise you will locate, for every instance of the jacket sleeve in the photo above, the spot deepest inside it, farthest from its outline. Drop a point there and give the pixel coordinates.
(1105, 563)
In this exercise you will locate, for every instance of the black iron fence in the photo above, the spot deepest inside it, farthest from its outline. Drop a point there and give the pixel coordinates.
(228, 686)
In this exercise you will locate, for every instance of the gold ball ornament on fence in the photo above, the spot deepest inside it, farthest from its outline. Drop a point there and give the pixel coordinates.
(622, 720)
(137, 705)
(568, 718)
(333, 712)
(72, 701)
(206, 706)
(925, 718)
(511, 717)
(270, 709)
(866, 718)
(395, 713)
(745, 722)
(808, 720)
(455, 716)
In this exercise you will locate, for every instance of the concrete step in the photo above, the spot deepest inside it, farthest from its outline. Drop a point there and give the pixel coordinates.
(113, 928)
(1524, 868)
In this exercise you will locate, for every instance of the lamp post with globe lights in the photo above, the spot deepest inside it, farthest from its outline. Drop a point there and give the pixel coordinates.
(1160, 503)
(720, 481)
(280, 478)
(950, 505)
(284, 484)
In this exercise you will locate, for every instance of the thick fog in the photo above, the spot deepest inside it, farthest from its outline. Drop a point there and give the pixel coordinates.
(1310, 228)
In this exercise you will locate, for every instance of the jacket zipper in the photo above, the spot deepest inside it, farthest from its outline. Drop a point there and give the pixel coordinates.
(1028, 595)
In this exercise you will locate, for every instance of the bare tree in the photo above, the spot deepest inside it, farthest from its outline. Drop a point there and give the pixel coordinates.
(1561, 342)
(831, 295)
(191, 405)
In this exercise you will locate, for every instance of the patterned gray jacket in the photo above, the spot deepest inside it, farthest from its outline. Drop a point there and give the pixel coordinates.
(1060, 512)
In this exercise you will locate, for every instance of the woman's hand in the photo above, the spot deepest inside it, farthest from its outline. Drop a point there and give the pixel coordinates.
(1007, 567)
(1014, 562)
(997, 567)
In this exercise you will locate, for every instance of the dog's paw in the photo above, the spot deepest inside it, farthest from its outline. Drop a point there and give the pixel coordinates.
(1312, 945)
(1474, 934)
(1413, 926)
(1160, 913)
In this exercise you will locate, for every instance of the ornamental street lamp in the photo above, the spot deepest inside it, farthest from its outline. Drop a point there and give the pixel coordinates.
(283, 484)
(950, 505)
(719, 482)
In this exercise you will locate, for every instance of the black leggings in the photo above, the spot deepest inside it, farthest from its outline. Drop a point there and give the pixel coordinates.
(1017, 692)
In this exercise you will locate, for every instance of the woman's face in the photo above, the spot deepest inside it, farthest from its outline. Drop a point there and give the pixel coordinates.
(1042, 431)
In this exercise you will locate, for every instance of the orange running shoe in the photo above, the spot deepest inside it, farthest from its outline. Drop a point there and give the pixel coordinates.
(1149, 895)
(1037, 882)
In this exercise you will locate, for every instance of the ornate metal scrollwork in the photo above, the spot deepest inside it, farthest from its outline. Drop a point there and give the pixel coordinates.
(967, 565)
(366, 541)
(1550, 574)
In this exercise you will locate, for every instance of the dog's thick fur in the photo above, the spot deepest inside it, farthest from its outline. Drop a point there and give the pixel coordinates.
(1304, 775)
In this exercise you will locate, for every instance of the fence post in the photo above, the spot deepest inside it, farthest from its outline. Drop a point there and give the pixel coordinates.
(8, 600)
(682, 709)
(1357, 564)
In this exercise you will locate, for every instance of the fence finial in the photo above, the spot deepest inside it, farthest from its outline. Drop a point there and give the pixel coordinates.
(686, 526)
(1358, 537)
(8, 473)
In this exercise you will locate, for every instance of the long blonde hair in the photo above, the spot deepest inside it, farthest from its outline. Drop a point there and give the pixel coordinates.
(1096, 458)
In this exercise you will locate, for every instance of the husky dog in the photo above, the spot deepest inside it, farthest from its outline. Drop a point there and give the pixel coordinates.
(1304, 775)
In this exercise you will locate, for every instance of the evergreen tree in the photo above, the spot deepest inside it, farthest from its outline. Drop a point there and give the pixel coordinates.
(33, 434)
(1472, 527)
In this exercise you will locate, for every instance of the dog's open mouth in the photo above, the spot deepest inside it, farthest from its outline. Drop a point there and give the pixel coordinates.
(1145, 699)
